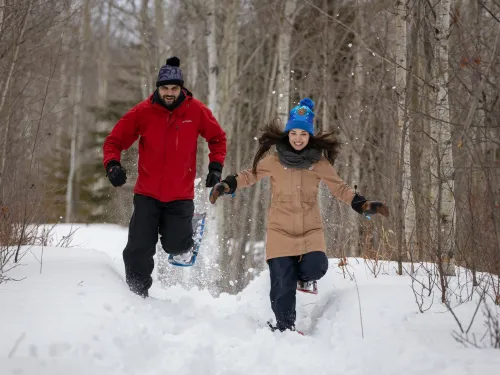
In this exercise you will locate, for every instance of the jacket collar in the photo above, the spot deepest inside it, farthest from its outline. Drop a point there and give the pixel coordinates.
(177, 110)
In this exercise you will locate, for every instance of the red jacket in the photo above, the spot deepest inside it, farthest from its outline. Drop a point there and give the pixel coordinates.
(167, 145)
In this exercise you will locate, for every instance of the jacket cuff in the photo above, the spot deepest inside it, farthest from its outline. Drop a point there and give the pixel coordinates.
(112, 163)
(357, 203)
(215, 166)
(232, 183)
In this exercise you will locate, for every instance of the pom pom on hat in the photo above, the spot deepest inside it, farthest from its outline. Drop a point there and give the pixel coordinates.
(170, 73)
(174, 61)
(308, 103)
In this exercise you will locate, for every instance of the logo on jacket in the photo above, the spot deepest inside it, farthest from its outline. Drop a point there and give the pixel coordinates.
(187, 121)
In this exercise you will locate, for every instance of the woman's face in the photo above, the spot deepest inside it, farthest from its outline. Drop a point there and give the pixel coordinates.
(298, 138)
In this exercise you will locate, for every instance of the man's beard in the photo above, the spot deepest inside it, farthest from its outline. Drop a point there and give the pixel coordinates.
(172, 98)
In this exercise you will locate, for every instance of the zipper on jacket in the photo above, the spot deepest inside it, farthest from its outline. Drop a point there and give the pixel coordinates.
(165, 152)
(176, 137)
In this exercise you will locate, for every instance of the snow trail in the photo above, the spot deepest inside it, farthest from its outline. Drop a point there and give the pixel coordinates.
(78, 317)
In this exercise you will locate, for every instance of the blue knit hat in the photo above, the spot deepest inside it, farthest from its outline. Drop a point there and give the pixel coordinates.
(170, 73)
(302, 116)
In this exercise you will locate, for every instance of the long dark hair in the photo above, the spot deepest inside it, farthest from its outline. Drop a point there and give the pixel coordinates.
(272, 134)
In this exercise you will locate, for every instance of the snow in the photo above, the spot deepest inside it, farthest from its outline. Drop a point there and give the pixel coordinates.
(73, 314)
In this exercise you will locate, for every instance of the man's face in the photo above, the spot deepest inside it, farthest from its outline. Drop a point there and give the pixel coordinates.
(169, 93)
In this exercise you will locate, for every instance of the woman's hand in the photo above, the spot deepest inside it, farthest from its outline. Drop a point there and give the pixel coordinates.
(219, 189)
(375, 207)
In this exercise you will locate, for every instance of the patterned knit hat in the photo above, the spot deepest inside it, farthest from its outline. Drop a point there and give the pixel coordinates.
(301, 117)
(170, 74)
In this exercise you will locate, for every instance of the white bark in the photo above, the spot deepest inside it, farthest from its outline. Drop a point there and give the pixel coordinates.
(284, 39)
(214, 214)
(355, 161)
(442, 185)
(103, 63)
(64, 78)
(77, 111)
(228, 86)
(213, 63)
(227, 90)
(403, 125)
(326, 76)
(193, 52)
(146, 84)
(2, 12)
(161, 46)
(353, 227)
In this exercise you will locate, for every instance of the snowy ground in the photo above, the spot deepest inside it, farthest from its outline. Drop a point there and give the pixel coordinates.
(77, 316)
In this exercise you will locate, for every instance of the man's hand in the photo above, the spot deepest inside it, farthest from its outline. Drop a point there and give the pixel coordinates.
(214, 174)
(117, 175)
(375, 207)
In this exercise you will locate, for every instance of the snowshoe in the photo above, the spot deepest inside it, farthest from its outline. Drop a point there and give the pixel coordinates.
(307, 286)
(188, 259)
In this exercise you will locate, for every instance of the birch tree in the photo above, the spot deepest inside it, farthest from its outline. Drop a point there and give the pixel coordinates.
(77, 110)
(161, 46)
(2, 9)
(355, 139)
(146, 73)
(287, 18)
(442, 184)
(7, 82)
(406, 202)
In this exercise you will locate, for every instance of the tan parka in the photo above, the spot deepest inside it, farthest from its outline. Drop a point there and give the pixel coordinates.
(294, 225)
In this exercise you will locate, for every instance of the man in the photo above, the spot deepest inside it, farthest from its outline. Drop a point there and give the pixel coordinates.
(167, 124)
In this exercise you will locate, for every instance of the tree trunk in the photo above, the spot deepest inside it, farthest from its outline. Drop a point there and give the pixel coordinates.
(214, 214)
(228, 88)
(213, 62)
(353, 228)
(2, 12)
(146, 74)
(6, 83)
(284, 39)
(406, 206)
(77, 112)
(103, 66)
(64, 80)
(413, 95)
(161, 47)
(193, 53)
(266, 114)
(442, 188)
(325, 70)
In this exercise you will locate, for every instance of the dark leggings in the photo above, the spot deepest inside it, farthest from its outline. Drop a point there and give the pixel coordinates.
(285, 272)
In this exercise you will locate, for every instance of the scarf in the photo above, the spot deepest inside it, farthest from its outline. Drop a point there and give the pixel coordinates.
(156, 99)
(297, 159)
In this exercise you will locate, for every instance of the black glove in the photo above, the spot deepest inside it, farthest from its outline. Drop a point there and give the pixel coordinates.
(357, 203)
(116, 174)
(214, 174)
(363, 206)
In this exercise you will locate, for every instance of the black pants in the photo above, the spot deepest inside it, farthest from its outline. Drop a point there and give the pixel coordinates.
(285, 272)
(171, 220)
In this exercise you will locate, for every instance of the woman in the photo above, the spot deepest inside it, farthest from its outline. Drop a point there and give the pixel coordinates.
(295, 244)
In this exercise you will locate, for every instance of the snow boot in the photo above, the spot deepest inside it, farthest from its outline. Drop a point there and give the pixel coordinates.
(183, 259)
(307, 286)
(276, 328)
(188, 258)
